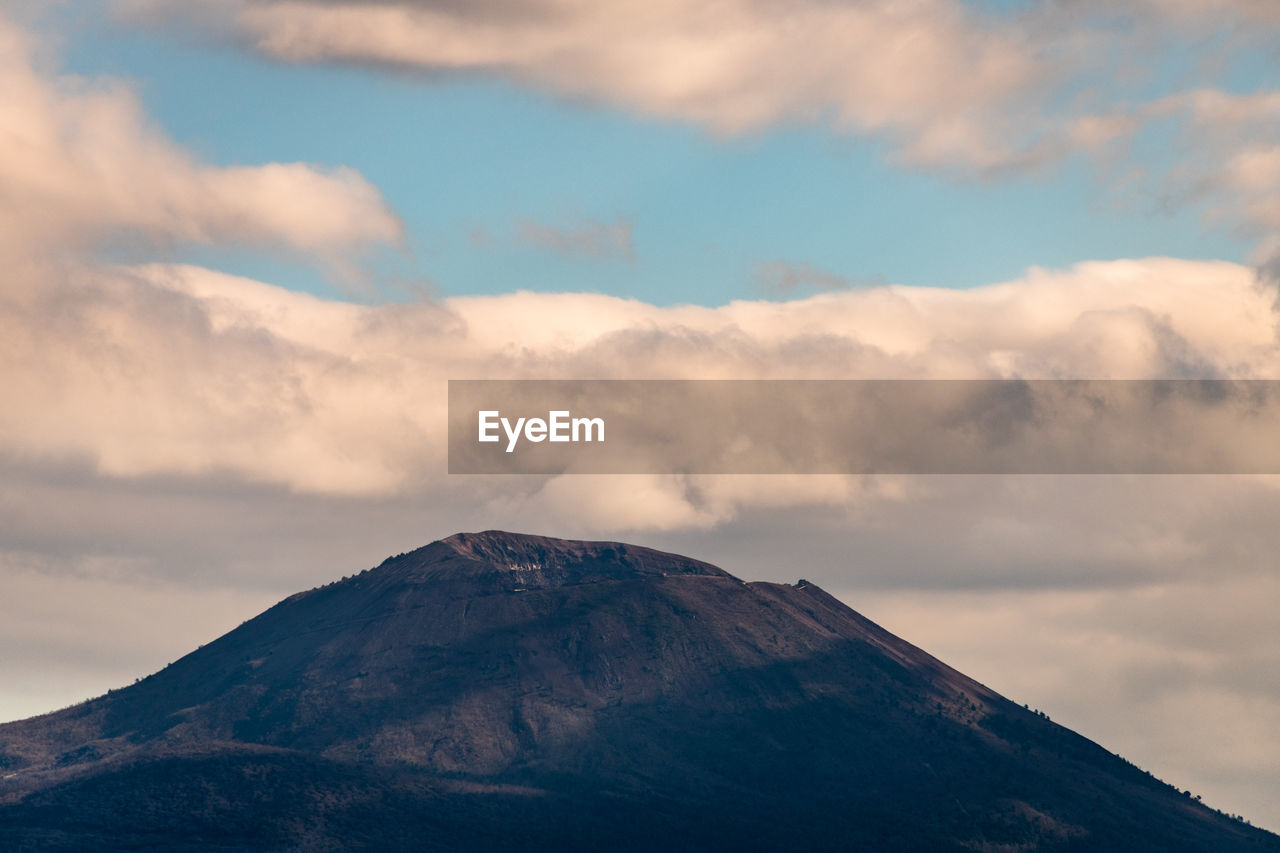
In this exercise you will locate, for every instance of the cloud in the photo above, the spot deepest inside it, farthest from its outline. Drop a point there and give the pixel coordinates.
(591, 239)
(81, 171)
(188, 372)
(1219, 12)
(80, 166)
(50, 660)
(930, 74)
(784, 278)
(640, 504)
(1184, 658)
(941, 84)
(1235, 173)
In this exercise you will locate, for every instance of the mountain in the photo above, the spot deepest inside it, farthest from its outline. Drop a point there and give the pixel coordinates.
(503, 691)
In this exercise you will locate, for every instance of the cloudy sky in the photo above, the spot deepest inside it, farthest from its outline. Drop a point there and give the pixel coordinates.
(245, 244)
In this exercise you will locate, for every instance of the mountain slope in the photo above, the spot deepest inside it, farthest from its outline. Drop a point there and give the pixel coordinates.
(495, 689)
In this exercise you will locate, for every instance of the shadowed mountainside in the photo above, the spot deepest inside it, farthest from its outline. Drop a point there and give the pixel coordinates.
(495, 690)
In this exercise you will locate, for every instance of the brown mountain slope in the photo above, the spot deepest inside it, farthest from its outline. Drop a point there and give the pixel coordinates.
(495, 689)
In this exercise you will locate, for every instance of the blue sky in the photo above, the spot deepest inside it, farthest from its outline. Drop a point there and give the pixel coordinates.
(469, 162)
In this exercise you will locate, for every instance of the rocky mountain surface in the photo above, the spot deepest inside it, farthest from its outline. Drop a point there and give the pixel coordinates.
(503, 691)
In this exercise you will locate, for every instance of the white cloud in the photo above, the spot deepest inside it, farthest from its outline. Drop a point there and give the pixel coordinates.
(928, 73)
(1235, 170)
(601, 506)
(184, 371)
(155, 371)
(94, 350)
(80, 164)
(944, 85)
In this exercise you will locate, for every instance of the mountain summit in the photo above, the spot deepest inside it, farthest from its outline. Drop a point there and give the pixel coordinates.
(499, 691)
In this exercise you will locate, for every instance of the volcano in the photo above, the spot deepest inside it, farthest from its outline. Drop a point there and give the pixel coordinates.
(501, 691)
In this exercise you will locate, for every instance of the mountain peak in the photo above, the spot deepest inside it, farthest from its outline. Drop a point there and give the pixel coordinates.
(541, 562)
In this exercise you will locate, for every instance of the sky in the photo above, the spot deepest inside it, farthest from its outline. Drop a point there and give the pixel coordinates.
(247, 242)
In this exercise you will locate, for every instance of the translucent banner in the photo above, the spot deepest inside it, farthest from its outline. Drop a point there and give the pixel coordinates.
(864, 426)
